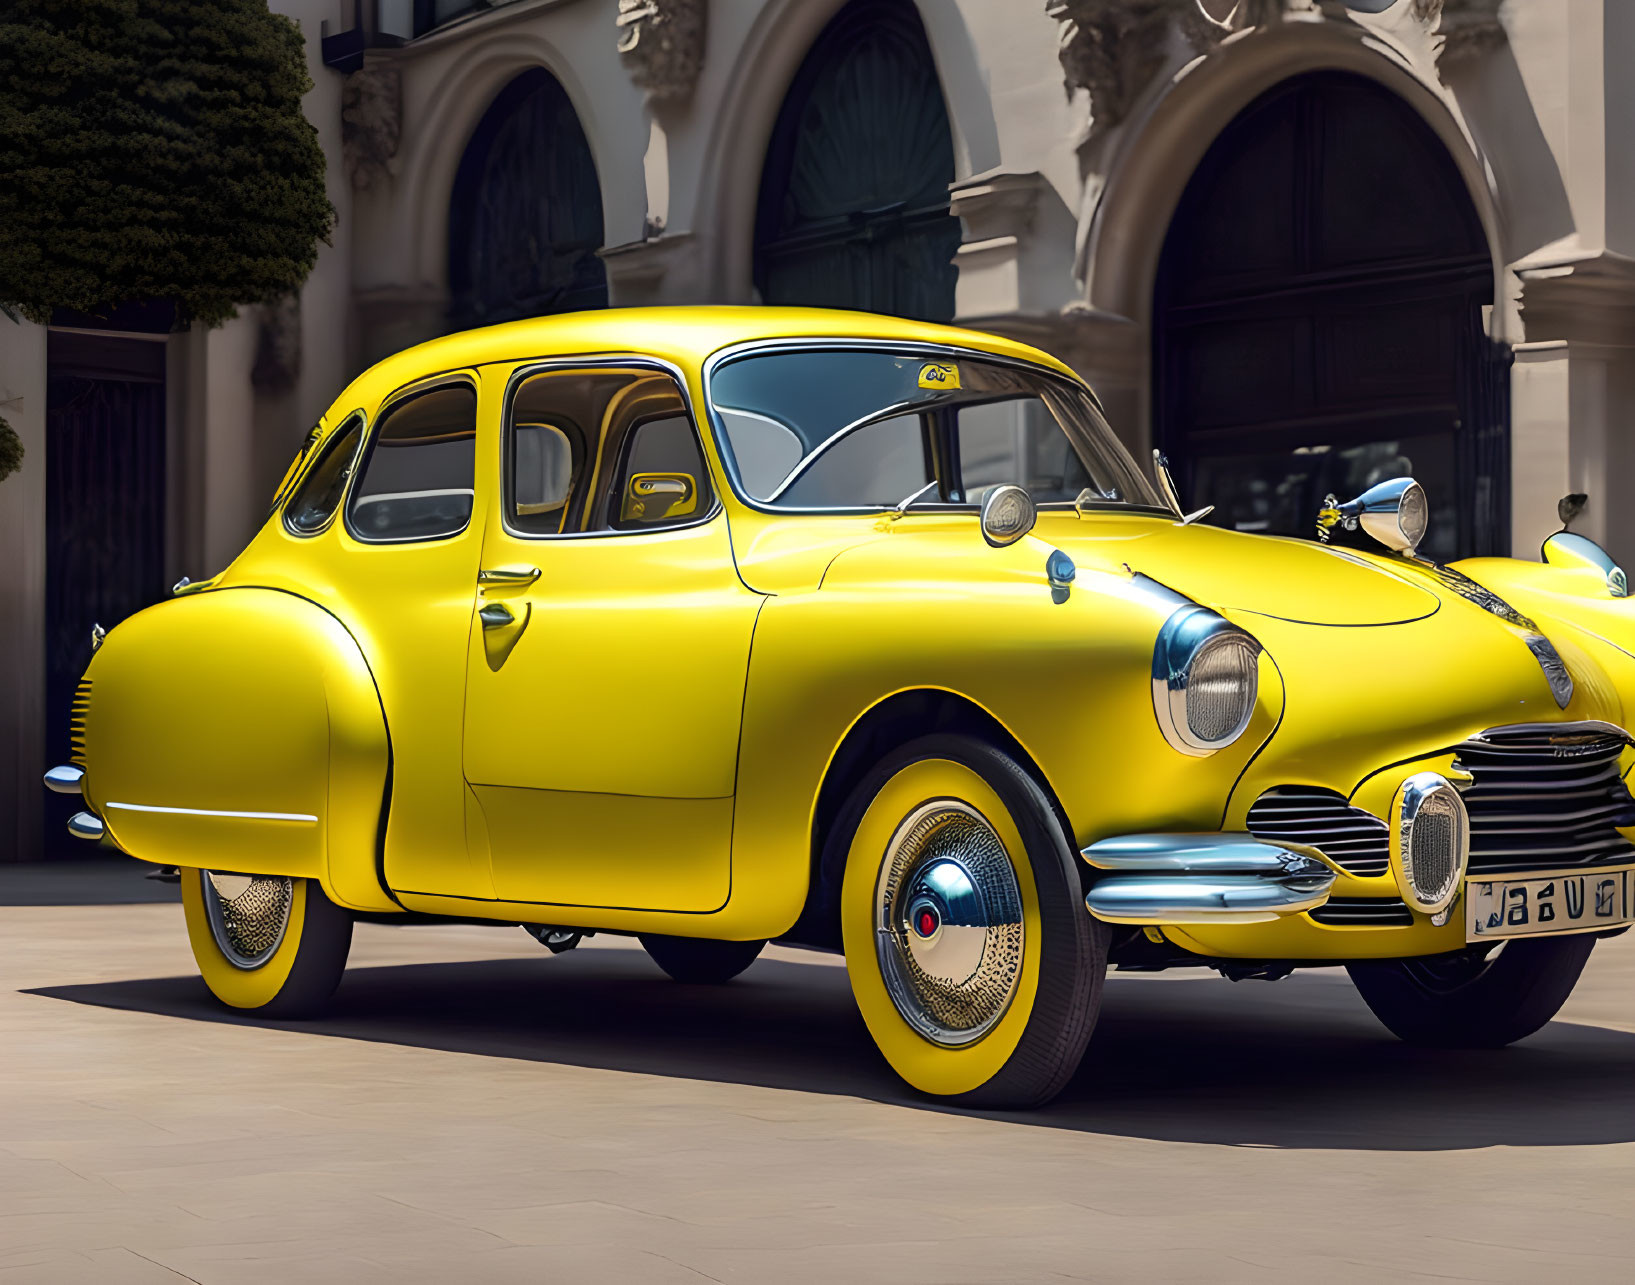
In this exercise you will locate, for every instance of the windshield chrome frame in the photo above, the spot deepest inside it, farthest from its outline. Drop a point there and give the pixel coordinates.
(908, 347)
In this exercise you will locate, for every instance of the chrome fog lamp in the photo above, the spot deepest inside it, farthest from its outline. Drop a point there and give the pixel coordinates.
(1205, 680)
(1432, 842)
(1008, 514)
(1395, 513)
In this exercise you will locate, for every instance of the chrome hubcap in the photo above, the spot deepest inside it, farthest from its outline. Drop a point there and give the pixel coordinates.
(248, 914)
(948, 923)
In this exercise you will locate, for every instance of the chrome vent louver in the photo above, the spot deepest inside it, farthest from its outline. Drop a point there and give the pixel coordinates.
(1357, 841)
(1546, 798)
(76, 721)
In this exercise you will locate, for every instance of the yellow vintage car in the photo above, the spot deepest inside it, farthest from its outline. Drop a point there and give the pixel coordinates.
(718, 626)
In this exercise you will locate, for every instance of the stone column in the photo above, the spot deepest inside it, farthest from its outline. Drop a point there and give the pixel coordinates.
(22, 594)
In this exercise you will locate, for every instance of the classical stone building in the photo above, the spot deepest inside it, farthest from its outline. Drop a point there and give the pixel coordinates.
(1297, 244)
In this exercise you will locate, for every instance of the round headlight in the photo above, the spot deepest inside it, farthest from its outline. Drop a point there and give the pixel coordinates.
(1205, 680)
(1433, 842)
(1413, 515)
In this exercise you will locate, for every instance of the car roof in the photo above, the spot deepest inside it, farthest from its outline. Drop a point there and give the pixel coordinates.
(684, 336)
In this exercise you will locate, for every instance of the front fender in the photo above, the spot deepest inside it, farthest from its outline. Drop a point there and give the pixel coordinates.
(240, 729)
(1068, 677)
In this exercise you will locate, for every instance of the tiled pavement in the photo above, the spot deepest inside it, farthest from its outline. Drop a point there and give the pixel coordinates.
(477, 1110)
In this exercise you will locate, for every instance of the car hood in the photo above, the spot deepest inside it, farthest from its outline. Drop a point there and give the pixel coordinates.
(1294, 580)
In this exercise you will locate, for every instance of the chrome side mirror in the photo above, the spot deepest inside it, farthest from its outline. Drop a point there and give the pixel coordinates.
(1007, 515)
(1569, 550)
(1395, 513)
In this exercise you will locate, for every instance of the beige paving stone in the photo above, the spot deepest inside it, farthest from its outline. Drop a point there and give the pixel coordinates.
(476, 1110)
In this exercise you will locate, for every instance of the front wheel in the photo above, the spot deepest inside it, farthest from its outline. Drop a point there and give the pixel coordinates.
(972, 957)
(1482, 998)
(271, 944)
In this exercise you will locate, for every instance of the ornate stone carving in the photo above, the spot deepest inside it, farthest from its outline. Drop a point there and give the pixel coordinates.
(1470, 29)
(662, 44)
(371, 123)
(1114, 48)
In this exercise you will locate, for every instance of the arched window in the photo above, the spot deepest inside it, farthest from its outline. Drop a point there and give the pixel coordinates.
(525, 218)
(854, 194)
(1318, 320)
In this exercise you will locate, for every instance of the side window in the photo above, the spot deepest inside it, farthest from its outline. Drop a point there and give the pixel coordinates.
(663, 480)
(417, 473)
(1016, 440)
(319, 493)
(589, 451)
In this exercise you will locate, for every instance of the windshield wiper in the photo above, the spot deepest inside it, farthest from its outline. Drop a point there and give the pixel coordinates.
(901, 507)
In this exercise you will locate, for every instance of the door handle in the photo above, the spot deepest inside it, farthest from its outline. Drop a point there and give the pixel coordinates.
(508, 575)
(496, 615)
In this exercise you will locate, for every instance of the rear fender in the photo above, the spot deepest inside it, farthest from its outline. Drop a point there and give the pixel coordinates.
(240, 729)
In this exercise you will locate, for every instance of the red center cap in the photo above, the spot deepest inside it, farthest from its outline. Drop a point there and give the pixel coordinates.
(927, 923)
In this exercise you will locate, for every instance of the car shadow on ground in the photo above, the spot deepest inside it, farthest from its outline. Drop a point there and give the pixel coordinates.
(1299, 1063)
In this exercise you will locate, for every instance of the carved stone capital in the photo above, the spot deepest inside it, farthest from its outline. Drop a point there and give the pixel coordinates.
(371, 122)
(1470, 29)
(662, 44)
(1114, 48)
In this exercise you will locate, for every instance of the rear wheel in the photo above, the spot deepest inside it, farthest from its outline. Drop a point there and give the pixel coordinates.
(1482, 998)
(972, 957)
(694, 959)
(274, 945)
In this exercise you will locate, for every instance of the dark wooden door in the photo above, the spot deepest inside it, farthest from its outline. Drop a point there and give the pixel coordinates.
(1318, 321)
(105, 521)
(525, 215)
(854, 194)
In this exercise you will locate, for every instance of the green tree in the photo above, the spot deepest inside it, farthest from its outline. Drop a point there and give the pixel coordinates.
(155, 149)
(11, 451)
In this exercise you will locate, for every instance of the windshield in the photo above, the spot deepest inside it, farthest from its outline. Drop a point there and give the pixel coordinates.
(865, 429)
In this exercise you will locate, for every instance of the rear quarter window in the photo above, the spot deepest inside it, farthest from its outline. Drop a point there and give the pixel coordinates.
(316, 497)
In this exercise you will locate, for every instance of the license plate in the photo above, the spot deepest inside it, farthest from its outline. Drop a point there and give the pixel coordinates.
(1552, 904)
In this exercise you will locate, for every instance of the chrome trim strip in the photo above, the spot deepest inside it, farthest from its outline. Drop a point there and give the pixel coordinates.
(65, 780)
(1204, 878)
(305, 817)
(1584, 727)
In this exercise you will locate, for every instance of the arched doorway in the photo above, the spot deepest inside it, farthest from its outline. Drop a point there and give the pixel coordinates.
(1318, 320)
(525, 216)
(853, 208)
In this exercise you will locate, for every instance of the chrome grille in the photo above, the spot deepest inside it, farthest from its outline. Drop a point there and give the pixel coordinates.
(1356, 840)
(1546, 797)
(1362, 912)
(76, 721)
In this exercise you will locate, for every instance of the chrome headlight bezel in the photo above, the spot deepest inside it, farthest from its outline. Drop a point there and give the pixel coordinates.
(1191, 634)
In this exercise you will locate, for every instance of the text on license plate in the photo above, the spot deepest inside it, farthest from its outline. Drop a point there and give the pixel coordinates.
(1556, 904)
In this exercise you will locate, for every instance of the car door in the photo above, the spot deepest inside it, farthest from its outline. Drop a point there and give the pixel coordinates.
(399, 572)
(609, 653)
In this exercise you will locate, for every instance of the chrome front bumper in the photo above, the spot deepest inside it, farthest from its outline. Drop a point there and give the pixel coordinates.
(1203, 879)
(71, 780)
